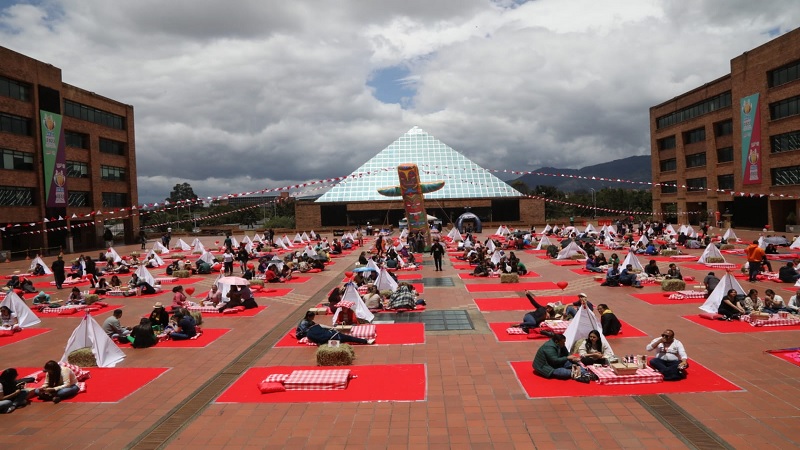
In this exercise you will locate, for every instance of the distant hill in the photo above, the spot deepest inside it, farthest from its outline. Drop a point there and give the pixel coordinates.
(634, 168)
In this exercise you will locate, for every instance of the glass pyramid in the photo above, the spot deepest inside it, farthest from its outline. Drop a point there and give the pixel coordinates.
(436, 161)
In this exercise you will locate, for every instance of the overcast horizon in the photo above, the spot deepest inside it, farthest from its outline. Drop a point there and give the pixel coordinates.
(245, 95)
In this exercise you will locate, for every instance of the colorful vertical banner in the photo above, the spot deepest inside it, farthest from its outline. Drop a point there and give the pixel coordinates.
(54, 156)
(751, 139)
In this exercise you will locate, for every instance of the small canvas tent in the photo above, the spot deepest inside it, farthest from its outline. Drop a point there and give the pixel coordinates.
(713, 301)
(25, 316)
(90, 334)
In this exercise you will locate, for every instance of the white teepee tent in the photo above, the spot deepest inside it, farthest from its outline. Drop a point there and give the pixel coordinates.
(306, 237)
(310, 252)
(25, 316)
(713, 301)
(277, 262)
(246, 239)
(633, 261)
(208, 258)
(544, 243)
(145, 275)
(711, 251)
(155, 256)
(157, 245)
(298, 238)
(196, 242)
(199, 248)
(38, 260)
(729, 235)
(496, 256)
(373, 265)
(454, 235)
(385, 282)
(234, 242)
(287, 241)
(795, 244)
(762, 242)
(90, 334)
(547, 228)
(571, 249)
(643, 239)
(279, 242)
(590, 229)
(490, 247)
(351, 295)
(669, 230)
(580, 326)
(111, 253)
(183, 246)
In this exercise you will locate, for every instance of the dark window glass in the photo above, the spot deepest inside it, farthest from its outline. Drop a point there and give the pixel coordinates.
(725, 182)
(783, 75)
(669, 165)
(724, 154)
(690, 112)
(113, 147)
(78, 198)
(696, 160)
(100, 117)
(77, 169)
(784, 176)
(696, 135)
(786, 142)
(723, 128)
(15, 124)
(14, 160)
(666, 143)
(785, 108)
(15, 89)
(114, 200)
(669, 187)
(75, 139)
(696, 184)
(111, 173)
(16, 196)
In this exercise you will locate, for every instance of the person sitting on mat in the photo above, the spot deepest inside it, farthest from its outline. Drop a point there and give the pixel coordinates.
(213, 297)
(671, 359)
(593, 350)
(159, 316)
(730, 307)
(553, 360)
(60, 383)
(179, 298)
(373, 298)
(234, 299)
(114, 329)
(320, 334)
(186, 327)
(9, 320)
(609, 321)
(142, 335)
(12, 391)
(403, 298)
(76, 297)
(651, 269)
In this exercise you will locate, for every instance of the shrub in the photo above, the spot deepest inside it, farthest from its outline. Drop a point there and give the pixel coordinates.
(386, 293)
(673, 285)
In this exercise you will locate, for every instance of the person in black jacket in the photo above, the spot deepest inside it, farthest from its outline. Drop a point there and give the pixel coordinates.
(788, 274)
(534, 318)
(58, 271)
(608, 320)
(437, 250)
(142, 335)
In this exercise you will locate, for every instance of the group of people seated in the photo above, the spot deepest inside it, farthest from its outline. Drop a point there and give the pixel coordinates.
(180, 326)
(735, 305)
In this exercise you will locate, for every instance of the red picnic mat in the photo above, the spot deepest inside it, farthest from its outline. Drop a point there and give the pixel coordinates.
(183, 281)
(567, 262)
(252, 312)
(80, 313)
(702, 268)
(367, 384)
(387, 334)
(734, 326)
(46, 285)
(505, 287)
(791, 355)
(699, 379)
(499, 330)
(266, 292)
(520, 303)
(22, 335)
(106, 385)
(209, 335)
(583, 271)
(662, 298)
(469, 276)
(298, 279)
(400, 276)
(463, 266)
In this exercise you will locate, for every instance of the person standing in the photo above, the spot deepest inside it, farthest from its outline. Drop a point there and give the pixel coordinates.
(227, 261)
(437, 250)
(108, 236)
(143, 238)
(755, 255)
(671, 359)
(58, 271)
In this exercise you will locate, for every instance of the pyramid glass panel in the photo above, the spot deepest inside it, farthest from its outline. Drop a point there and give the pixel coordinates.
(436, 161)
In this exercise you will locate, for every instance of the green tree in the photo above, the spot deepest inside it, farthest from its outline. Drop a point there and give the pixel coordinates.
(520, 186)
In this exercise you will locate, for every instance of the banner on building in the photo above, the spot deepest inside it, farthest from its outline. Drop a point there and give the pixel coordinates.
(751, 139)
(54, 159)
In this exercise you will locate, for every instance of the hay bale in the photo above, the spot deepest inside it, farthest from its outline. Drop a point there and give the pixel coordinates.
(343, 355)
(726, 247)
(82, 357)
(257, 283)
(197, 316)
(669, 252)
(267, 248)
(157, 251)
(673, 285)
(509, 278)
(577, 256)
(198, 252)
(714, 260)
(181, 273)
(91, 298)
(135, 254)
(552, 251)
(219, 258)
(386, 293)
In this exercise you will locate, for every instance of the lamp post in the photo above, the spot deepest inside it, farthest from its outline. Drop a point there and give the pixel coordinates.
(594, 204)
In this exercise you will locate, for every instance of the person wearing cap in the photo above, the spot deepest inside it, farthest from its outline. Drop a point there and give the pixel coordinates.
(159, 316)
(572, 309)
(553, 360)
(58, 271)
(710, 281)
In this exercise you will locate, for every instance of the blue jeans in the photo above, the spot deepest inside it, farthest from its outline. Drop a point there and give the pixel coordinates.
(667, 368)
(63, 393)
(565, 372)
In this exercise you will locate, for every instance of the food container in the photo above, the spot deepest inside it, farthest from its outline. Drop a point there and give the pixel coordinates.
(622, 369)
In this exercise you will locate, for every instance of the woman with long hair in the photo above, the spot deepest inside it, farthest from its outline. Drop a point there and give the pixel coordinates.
(594, 351)
(60, 383)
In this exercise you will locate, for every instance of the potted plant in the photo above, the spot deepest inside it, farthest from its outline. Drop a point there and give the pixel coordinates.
(791, 223)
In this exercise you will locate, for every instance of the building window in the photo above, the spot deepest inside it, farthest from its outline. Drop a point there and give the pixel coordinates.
(77, 169)
(666, 143)
(113, 147)
(785, 108)
(15, 124)
(15, 89)
(669, 187)
(114, 200)
(696, 160)
(16, 196)
(669, 165)
(696, 184)
(14, 160)
(698, 109)
(94, 115)
(785, 176)
(724, 154)
(77, 140)
(693, 136)
(111, 173)
(786, 142)
(725, 182)
(79, 198)
(724, 128)
(783, 75)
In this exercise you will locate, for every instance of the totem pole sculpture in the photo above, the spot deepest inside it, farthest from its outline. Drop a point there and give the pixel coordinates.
(412, 190)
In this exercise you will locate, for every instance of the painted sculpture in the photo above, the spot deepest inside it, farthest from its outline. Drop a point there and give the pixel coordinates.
(412, 190)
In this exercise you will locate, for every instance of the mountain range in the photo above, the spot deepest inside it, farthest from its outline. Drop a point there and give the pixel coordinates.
(633, 168)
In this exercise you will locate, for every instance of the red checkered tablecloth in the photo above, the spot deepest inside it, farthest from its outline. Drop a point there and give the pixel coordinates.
(556, 326)
(363, 289)
(680, 295)
(722, 265)
(363, 331)
(515, 330)
(204, 309)
(62, 308)
(606, 375)
(166, 280)
(312, 380)
(773, 321)
(683, 257)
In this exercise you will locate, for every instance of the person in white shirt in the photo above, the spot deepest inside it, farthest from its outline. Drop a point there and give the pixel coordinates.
(794, 303)
(227, 260)
(671, 359)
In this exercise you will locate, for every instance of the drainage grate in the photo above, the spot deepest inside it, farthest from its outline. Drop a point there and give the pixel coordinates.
(438, 282)
(433, 320)
(681, 423)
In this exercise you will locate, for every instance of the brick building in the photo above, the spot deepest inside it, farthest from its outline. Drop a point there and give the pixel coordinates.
(356, 201)
(66, 152)
(739, 133)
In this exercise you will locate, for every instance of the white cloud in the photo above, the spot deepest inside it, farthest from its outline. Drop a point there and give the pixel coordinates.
(243, 95)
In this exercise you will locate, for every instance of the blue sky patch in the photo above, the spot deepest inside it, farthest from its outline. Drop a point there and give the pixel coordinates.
(393, 85)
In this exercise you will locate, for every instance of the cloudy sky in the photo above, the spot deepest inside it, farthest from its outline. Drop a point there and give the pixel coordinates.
(241, 95)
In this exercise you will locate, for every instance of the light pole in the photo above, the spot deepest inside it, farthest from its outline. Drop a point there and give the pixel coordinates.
(594, 205)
